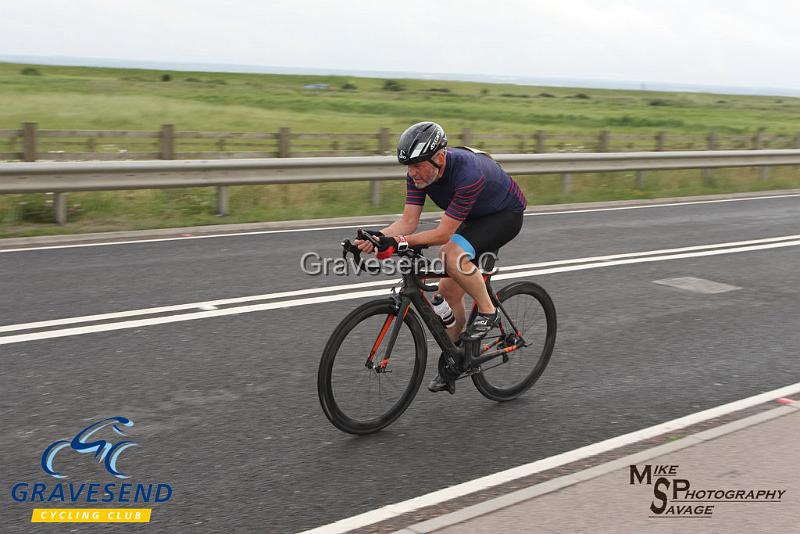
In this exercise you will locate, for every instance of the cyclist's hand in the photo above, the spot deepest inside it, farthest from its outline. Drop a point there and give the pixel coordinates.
(389, 245)
(366, 246)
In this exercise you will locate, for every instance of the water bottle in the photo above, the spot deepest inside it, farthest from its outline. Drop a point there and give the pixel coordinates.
(443, 310)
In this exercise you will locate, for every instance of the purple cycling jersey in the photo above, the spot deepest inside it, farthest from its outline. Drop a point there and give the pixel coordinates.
(472, 185)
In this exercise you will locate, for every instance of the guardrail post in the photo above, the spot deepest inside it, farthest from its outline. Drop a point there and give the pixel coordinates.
(466, 136)
(603, 141)
(284, 143)
(660, 137)
(566, 183)
(383, 150)
(539, 137)
(758, 141)
(639, 181)
(222, 200)
(28, 141)
(60, 207)
(167, 141)
(707, 174)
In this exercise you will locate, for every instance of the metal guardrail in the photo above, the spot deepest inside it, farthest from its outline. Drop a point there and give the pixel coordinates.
(64, 177)
(101, 176)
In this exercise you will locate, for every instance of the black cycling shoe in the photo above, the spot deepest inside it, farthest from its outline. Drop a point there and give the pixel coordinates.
(481, 325)
(445, 379)
(440, 384)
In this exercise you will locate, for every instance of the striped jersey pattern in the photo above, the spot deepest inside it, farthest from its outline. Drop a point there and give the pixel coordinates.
(473, 185)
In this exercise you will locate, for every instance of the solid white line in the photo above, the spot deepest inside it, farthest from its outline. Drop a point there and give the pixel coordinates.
(181, 238)
(264, 232)
(4, 340)
(270, 296)
(673, 204)
(653, 252)
(191, 306)
(645, 260)
(481, 484)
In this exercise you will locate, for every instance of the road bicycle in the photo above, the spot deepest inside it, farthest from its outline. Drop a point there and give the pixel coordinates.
(373, 364)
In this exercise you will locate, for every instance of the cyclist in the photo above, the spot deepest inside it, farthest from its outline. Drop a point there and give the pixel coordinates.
(483, 211)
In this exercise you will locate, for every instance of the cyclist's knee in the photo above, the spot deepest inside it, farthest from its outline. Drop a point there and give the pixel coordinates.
(455, 258)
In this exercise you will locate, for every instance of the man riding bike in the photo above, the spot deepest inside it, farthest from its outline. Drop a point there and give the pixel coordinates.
(483, 211)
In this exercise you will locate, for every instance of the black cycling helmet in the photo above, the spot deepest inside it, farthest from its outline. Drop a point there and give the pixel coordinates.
(420, 142)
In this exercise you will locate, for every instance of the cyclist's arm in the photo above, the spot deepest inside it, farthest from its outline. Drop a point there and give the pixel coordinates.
(406, 224)
(438, 236)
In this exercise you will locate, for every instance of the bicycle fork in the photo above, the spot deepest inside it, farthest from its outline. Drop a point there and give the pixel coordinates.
(402, 310)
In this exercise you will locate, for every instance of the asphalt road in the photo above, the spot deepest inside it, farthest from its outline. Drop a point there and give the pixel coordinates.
(226, 410)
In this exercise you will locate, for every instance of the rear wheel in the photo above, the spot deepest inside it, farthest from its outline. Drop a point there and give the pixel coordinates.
(359, 390)
(507, 377)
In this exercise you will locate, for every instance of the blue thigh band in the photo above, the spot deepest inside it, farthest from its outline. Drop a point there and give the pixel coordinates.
(462, 242)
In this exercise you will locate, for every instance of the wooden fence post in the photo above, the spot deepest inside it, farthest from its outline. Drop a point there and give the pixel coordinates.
(539, 137)
(660, 137)
(167, 141)
(284, 143)
(29, 141)
(603, 141)
(383, 150)
(466, 137)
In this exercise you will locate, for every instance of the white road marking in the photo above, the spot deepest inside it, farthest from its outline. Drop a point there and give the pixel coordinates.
(697, 285)
(673, 204)
(316, 229)
(189, 306)
(362, 285)
(481, 484)
(19, 338)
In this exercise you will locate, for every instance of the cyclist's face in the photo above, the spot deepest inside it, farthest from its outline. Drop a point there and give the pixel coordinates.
(423, 174)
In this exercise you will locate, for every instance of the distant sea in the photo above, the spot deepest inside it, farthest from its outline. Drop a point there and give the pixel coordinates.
(483, 78)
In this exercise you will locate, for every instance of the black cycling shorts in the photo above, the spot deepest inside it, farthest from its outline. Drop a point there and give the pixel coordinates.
(487, 233)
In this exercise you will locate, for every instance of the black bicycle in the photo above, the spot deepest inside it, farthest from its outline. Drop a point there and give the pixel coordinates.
(374, 362)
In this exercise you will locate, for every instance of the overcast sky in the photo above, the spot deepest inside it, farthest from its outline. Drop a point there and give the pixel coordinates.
(706, 42)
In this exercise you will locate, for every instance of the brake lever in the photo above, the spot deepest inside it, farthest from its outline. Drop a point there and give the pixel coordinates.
(368, 237)
(347, 246)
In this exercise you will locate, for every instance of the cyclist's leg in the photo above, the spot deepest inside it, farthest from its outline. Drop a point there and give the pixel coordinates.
(458, 254)
(473, 239)
(454, 295)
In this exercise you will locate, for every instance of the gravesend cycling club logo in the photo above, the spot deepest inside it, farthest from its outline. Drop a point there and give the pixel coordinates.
(103, 450)
(676, 497)
(100, 444)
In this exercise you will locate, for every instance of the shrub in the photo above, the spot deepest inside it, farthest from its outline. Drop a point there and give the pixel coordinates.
(660, 102)
(349, 87)
(30, 71)
(546, 95)
(165, 77)
(393, 85)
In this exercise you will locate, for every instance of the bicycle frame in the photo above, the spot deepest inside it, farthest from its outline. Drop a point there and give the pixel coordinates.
(471, 354)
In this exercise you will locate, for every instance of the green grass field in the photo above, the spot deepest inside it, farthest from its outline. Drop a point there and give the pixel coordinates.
(130, 99)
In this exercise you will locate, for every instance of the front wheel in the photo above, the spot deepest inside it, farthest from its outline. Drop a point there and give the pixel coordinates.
(532, 311)
(360, 390)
